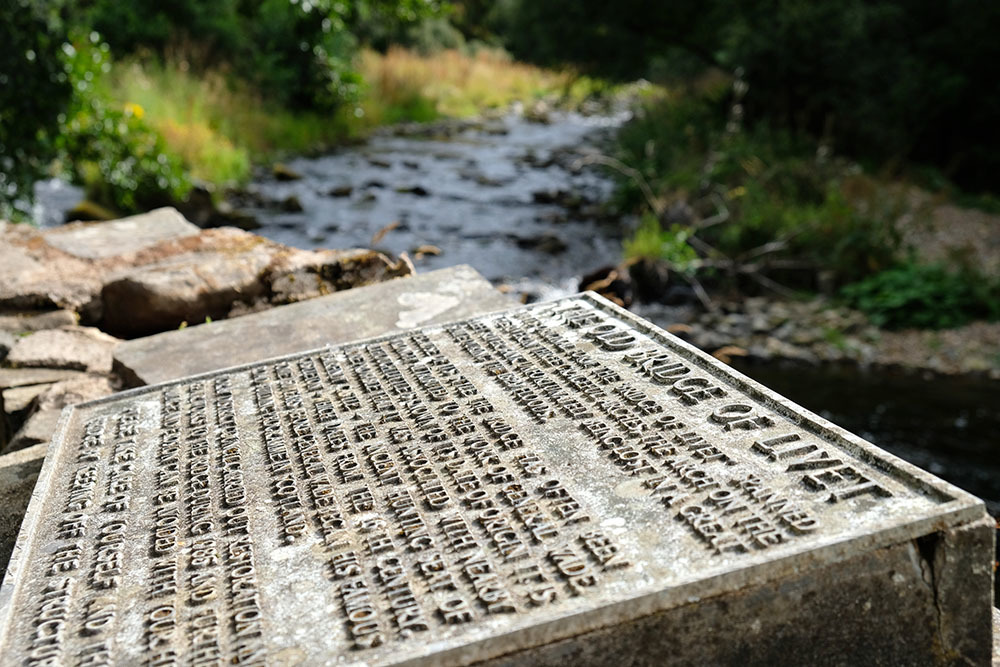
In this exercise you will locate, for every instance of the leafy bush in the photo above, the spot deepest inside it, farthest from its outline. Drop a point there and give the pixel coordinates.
(651, 241)
(887, 80)
(924, 296)
(34, 91)
(110, 148)
(299, 52)
(777, 200)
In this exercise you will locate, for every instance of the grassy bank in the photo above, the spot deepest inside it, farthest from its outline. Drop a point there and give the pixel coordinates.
(220, 127)
(754, 209)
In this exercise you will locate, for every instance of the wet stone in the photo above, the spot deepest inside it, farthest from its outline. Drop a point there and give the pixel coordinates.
(562, 483)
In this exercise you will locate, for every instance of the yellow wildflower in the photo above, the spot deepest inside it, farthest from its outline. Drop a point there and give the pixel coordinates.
(133, 109)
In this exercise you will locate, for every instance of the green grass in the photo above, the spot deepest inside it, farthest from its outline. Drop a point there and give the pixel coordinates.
(220, 127)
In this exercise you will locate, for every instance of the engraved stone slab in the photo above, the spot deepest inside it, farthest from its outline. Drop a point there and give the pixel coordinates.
(470, 491)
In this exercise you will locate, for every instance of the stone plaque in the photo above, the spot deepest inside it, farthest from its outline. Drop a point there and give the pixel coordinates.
(449, 495)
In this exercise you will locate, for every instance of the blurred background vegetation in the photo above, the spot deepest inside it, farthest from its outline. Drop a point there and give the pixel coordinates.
(778, 147)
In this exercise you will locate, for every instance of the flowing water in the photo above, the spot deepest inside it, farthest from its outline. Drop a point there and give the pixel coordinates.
(490, 195)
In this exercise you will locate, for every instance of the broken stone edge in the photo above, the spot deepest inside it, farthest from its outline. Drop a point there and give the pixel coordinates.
(956, 508)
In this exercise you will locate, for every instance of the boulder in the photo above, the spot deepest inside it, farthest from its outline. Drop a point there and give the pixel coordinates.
(282, 172)
(189, 288)
(120, 237)
(73, 348)
(153, 272)
(306, 274)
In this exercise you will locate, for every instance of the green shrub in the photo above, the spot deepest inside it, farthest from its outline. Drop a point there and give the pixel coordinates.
(299, 53)
(924, 296)
(651, 241)
(34, 91)
(774, 190)
(108, 147)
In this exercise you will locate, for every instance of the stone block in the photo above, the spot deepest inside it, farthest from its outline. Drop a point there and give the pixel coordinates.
(70, 348)
(18, 399)
(399, 305)
(557, 484)
(18, 472)
(100, 240)
(22, 377)
(37, 321)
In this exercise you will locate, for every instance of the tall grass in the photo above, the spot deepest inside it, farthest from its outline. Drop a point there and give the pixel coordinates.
(220, 127)
(452, 83)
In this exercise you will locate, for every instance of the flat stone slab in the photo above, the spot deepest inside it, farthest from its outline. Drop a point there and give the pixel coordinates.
(70, 348)
(23, 377)
(37, 321)
(100, 240)
(18, 472)
(557, 484)
(17, 399)
(361, 312)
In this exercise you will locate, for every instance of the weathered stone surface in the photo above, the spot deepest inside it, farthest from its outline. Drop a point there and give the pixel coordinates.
(48, 402)
(996, 637)
(65, 267)
(820, 617)
(74, 348)
(149, 273)
(557, 484)
(35, 276)
(120, 237)
(439, 296)
(162, 296)
(18, 399)
(37, 321)
(7, 341)
(18, 472)
(308, 275)
(229, 266)
(37, 429)
(75, 390)
(22, 377)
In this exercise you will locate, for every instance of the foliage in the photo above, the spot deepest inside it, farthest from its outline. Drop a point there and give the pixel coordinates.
(766, 199)
(886, 80)
(651, 241)
(110, 147)
(405, 85)
(299, 51)
(924, 296)
(34, 93)
(219, 127)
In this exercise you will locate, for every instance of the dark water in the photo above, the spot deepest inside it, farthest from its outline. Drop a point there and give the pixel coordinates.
(948, 426)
